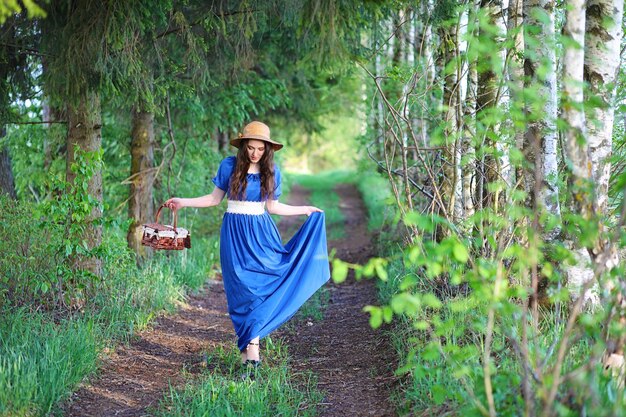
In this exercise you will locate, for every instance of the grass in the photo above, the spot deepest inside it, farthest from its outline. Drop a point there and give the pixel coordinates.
(378, 199)
(323, 196)
(220, 391)
(313, 309)
(41, 361)
(44, 355)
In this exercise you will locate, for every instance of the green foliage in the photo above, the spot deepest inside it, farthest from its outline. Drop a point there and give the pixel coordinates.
(221, 391)
(42, 360)
(43, 356)
(47, 239)
(11, 7)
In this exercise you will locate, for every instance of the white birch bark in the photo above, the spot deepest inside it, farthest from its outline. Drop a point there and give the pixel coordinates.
(423, 45)
(504, 101)
(576, 147)
(540, 68)
(602, 57)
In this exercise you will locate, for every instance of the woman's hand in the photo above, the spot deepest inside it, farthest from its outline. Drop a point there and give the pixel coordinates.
(174, 203)
(312, 209)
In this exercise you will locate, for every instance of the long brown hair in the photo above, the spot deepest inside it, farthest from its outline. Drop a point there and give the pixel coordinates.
(239, 179)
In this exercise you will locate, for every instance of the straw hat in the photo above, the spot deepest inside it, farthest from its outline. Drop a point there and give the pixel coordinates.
(256, 130)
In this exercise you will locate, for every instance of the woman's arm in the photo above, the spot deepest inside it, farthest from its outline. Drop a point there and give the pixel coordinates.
(274, 207)
(208, 200)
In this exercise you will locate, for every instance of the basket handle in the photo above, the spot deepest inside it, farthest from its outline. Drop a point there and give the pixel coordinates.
(158, 213)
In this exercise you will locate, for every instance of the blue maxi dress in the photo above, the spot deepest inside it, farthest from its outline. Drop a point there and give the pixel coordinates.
(265, 281)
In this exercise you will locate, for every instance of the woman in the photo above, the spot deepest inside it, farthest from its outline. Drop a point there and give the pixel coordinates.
(265, 282)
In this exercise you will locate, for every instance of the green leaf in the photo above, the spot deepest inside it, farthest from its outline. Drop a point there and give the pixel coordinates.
(376, 316)
(460, 252)
(340, 271)
(431, 301)
(439, 393)
(387, 314)
(381, 271)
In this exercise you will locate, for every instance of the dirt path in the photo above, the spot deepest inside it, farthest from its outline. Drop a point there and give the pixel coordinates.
(353, 362)
(135, 377)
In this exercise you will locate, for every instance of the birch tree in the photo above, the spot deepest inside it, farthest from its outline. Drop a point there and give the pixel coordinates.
(603, 34)
(540, 143)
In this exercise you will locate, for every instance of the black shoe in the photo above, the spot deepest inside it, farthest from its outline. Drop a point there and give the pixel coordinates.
(250, 369)
(252, 363)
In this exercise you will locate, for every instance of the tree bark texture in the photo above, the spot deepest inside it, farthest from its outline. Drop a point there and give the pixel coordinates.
(576, 147)
(602, 57)
(540, 70)
(140, 207)
(449, 179)
(84, 131)
(7, 182)
(489, 169)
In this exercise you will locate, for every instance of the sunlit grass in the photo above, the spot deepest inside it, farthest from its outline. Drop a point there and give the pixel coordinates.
(40, 360)
(377, 198)
(45, 355)
(323, 195)
(221, 390)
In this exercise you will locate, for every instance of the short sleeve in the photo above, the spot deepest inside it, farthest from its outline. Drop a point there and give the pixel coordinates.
(277, 181)
(224, 172)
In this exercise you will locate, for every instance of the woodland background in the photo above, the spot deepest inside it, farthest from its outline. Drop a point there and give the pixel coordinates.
(487, 137)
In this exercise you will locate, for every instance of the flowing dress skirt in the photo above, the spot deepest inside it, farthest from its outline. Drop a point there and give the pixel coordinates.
(265, 281)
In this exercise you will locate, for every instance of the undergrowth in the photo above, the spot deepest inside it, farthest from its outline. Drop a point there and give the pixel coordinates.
(272, 390)
(49, 346)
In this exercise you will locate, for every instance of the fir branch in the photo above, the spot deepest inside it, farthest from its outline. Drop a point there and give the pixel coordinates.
(202, 19)
(37, 123)
(25, 50)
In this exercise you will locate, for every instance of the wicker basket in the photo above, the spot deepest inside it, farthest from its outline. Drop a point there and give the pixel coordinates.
(159, 236)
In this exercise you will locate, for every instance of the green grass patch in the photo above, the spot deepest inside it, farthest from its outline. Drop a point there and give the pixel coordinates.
(221, 391)
(41, 360)
(324, 196)
(377, 197)
(313, 309)
(44, 355)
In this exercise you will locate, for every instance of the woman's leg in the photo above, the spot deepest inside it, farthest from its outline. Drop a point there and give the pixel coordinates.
(253, 350)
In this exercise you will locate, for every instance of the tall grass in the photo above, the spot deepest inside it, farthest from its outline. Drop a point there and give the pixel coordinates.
(41, 361)
(378, 199)
(44, 355)
(221, 390)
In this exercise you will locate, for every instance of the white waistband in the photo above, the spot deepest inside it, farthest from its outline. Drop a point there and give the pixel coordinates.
(246, 207)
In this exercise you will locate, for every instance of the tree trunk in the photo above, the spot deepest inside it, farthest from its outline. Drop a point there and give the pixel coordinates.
(602, 56)
(486, 100)
(449, 179)
(7, 183)
(469, 168)
(222, 140)
(603, 35)
(576, 147)
(84, 131)
(516, 74)
(541, 136)
(140, 208)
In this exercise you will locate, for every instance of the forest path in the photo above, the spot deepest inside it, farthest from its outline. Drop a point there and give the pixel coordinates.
(353, 362)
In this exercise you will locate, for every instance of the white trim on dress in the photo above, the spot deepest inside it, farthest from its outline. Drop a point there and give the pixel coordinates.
(246, 207)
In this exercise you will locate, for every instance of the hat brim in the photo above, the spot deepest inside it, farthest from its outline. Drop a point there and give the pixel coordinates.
(237, 141)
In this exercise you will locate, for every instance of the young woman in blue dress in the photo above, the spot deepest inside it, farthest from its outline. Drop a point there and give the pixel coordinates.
(265, 281)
